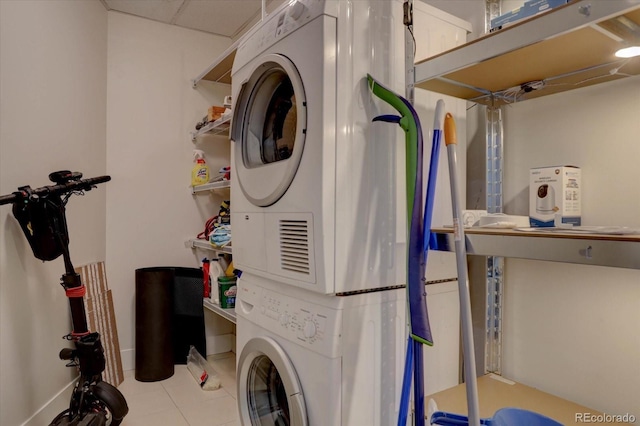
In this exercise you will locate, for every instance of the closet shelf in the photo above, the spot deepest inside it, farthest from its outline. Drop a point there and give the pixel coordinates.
(204, 244)
(228, 314)
(221, 125)
(568, 47)
(220, 70)
(496, 392)
(621, 251)
(211, 186)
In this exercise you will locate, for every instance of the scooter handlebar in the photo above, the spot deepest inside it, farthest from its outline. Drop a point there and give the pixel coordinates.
(73, 185)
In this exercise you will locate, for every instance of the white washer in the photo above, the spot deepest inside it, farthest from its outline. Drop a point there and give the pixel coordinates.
(318, 196)
(306, 359)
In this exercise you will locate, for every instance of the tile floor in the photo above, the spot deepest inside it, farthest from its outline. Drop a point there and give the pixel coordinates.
(179, 400)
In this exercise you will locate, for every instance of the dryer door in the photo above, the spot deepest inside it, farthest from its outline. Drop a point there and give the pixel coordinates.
(269, 392)
(269, 129)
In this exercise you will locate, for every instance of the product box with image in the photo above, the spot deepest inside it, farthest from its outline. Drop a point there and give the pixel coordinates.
(555, 196)
(530, 8)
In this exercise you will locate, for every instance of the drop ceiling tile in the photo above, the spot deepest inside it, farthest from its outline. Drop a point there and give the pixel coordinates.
(224, 17)
(158, 10)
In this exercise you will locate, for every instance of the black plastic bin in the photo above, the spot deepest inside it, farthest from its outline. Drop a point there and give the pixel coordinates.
(169, 319)
(188, 314)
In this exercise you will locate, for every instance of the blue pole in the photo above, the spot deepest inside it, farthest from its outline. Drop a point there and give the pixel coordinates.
(406, 384)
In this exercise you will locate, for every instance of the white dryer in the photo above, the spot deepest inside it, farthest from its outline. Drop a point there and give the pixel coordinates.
(306, 359)
(317, 194)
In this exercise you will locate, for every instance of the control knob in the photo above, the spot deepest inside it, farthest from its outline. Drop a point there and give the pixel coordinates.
(309, 329)
(284, 320)
(296, 11)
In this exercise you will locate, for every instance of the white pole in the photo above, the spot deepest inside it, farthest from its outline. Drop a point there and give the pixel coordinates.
(470, 378)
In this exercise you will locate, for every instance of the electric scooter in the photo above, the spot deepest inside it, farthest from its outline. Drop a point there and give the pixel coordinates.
(41, 214)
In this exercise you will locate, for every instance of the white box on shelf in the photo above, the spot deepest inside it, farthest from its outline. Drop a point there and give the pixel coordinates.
(554, 196)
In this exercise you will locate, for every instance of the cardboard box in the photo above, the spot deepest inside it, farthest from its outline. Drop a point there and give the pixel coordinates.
(215, 112)
(554, 196)
(496, 392)
(530, 8)
(101, 318)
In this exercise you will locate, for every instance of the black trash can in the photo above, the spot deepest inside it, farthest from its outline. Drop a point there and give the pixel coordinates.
(169, 319)
(188, 314)
(154, 324)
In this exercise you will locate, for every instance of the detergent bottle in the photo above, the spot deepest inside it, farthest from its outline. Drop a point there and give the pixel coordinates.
(200, 171)
(215, 271)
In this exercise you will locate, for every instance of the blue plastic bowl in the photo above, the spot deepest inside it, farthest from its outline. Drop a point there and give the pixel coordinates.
(517, 416)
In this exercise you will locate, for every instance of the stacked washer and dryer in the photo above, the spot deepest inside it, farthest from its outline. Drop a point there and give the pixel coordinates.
(319, 219)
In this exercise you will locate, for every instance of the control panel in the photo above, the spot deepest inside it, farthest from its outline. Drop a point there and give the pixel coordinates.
(310, 325)
(279, 24)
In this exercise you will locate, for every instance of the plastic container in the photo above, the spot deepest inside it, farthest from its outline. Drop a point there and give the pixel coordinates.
(154, 324)
(202, 371)
(227, 292)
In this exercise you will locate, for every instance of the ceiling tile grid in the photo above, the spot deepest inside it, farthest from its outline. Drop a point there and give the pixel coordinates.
(228, 18)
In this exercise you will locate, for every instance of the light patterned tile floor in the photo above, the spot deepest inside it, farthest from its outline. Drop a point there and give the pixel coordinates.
(179, 400)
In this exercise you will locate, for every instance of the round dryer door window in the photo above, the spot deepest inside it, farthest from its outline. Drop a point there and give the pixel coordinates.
(269, 392)
(269, 130)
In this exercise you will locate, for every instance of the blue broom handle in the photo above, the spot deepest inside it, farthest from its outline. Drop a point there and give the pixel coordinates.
(438, 122)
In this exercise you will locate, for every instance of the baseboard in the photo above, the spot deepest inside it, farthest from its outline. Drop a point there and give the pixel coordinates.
(128, 359)
(220, 344)
(52, 408)
(215, 345)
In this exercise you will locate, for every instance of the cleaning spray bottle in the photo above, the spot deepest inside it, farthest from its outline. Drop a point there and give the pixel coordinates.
(200, 171)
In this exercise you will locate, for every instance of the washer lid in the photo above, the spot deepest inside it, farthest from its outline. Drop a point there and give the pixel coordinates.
(269, 392)
(269, 129)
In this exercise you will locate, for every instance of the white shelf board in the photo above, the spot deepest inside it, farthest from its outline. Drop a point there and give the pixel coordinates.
(228, 314)
(217, 127)
(211, 186)
(206, 245)
(619, 251)
(566, 46)
(220, 69)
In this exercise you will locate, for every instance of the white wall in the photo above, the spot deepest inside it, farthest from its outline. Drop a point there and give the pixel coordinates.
(595, 128)
(53, 116)
(151, 109)
(571, 329)
(472, 11)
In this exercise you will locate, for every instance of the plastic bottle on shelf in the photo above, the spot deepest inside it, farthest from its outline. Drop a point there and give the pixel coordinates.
(229, 272)
(215, 271)
(222, 261)
(200, 170)
(206, 272)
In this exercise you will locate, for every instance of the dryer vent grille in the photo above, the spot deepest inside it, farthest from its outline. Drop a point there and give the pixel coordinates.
(294, 246)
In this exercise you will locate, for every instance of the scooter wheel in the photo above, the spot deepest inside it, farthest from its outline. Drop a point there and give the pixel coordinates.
(61, 419)
(113, 399)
